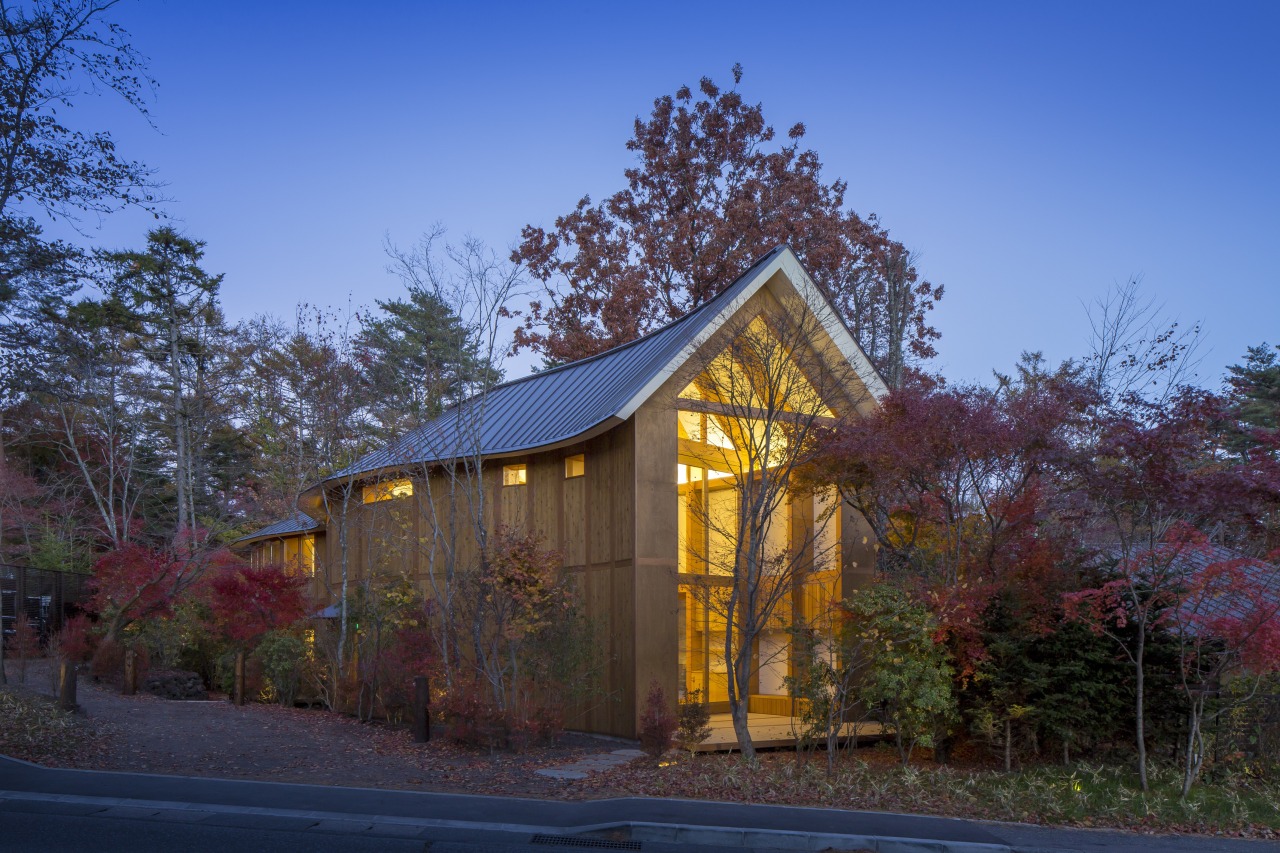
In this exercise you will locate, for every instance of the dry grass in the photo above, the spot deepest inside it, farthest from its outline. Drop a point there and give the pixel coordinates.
(34, 729)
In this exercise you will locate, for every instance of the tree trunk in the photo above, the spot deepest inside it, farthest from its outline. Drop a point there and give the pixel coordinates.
(181, 476)
(1139, 681)
(739, 684)
(1008, 744)
(1195, 745)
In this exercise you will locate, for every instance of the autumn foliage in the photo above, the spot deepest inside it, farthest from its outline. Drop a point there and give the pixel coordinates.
(139, 581)
(712, 190)
(247, 602)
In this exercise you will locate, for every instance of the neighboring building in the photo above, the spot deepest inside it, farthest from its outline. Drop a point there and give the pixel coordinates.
(292, 543)
(625, 463)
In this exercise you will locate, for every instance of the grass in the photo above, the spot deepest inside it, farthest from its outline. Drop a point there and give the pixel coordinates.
(34, 729)
(1079, 795)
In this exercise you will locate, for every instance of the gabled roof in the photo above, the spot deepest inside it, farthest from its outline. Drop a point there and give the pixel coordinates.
(565, 403)
(300, 522)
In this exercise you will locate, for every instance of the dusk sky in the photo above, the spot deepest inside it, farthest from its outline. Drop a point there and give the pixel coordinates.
(1032, 153)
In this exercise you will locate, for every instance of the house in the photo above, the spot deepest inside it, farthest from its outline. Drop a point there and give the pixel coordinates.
(636, 465)
(292, 542)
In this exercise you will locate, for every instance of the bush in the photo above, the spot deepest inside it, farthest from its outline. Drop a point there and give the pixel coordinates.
(657, 723)
(693, 725)
(906, 675)
(74, 643)
(108, 661)
(473, 720)
(283, 657)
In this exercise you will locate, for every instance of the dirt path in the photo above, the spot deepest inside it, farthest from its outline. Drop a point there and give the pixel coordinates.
(267, 742)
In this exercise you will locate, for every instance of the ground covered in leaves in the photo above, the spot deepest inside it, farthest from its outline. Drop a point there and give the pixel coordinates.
(872, 779)
(33, 729)
(267, 742)
(146, 734)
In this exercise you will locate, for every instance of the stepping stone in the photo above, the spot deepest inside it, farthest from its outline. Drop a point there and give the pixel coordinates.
(561, 773)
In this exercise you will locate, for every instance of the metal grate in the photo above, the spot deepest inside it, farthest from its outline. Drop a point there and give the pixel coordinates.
(579, 841)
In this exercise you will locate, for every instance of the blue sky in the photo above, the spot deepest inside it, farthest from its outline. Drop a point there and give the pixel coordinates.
(1032, 153)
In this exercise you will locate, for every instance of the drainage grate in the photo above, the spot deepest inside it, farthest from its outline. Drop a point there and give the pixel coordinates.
(579, 841)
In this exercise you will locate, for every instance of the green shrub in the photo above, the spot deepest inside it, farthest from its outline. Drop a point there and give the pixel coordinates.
(283, 656)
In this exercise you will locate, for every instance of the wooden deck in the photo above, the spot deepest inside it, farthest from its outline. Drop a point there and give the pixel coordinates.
(769, 731)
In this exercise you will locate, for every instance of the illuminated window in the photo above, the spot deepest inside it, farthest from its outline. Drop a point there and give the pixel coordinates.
(575, 466)
(385, 491)
(515, 475)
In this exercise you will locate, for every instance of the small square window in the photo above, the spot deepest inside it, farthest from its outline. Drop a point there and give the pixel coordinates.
(515, 475)
(575, 466)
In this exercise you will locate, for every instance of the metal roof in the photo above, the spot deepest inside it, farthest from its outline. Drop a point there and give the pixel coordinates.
(299, 523)
(563, 403)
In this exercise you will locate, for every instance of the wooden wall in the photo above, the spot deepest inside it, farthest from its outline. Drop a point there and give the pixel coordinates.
(657, 540)
(589, 519)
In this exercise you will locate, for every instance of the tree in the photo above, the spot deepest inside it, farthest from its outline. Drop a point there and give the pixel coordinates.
(1135, 350)
(449, 487)
(93, 398)
(246, 603)
(529, 643)
(1254, 394)
(419, 355)
(712, 192)
(135, 581)
(963, 489)
(1227, 625)
(1152, 474)
(177, 311)
(53, 52)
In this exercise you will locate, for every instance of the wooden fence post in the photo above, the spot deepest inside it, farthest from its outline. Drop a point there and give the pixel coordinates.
(237, 686)
(421, 709)
(130, 672)
(67, 686)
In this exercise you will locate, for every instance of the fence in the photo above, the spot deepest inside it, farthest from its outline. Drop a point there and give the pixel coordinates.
(47, 598)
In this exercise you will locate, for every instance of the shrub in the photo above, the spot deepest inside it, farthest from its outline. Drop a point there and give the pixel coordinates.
(283, 657)
(474, 721)
(693, 725)
(74, 643)
(108, 661)
(906, 675)
(657, 723)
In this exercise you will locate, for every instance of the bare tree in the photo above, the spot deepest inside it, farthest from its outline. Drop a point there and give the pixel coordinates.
(752, 415)
(1135, 349)
(478, 287)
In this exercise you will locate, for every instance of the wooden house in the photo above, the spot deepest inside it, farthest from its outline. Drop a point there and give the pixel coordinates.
(626, 463)
(292, 543)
